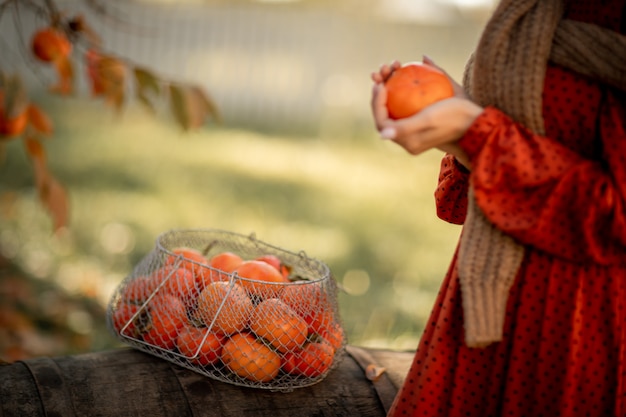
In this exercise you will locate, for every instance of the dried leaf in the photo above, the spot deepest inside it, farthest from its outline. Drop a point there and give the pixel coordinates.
(208, 105)
(51, 193)
(65, 71)
(178, 107)
(14, 96)
(39, 120)
(147, 82)
(54, 198)
(37, 154)
(373, 372)
(148, 88)
(108, 77)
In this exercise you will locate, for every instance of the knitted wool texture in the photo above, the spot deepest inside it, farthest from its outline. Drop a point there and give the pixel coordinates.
(507, 71)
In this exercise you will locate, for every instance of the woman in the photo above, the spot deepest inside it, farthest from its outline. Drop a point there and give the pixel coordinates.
(531, 317)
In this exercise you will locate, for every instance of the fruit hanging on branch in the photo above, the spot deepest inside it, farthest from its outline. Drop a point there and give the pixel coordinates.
(65, 40)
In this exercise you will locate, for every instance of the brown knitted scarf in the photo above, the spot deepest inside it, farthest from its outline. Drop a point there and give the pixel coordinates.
(507, 71)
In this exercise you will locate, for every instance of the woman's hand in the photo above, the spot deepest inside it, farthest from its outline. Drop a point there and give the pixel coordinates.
(439, 125)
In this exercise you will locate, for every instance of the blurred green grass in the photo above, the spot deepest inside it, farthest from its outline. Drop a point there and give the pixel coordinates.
(360, 204)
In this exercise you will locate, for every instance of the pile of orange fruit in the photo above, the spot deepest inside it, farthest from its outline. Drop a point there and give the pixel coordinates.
(249, 318)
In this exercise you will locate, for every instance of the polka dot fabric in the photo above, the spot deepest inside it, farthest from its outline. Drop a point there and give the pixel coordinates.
(564, 196)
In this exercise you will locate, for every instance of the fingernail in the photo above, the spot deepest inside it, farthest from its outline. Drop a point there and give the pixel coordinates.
(388, 133)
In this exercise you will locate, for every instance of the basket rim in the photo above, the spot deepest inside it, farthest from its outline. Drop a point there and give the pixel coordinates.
(325, 269)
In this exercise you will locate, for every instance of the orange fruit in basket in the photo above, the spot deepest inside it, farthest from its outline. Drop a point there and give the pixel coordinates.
(226, 305)
(313, 360)
(333, 334)
(275, 261)
(279, 325)
(249, 358)
(167, 316)
(138, 289)
(225, 261)
(198, 346)
(261, 278)
(180, 282)
(190, 259)
(312, 302)
(415, 86)
(123, 314)
(50, 44)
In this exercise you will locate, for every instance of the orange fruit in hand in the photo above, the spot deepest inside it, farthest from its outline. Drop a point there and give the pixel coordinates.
(224, 305)
(249, 358)
(261, 278)
(50, 45)
(198, 346)
(226, 262)
(414, 86)
(313, 360)
(279, 325)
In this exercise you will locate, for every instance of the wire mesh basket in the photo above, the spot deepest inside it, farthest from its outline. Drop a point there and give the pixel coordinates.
(233, 308)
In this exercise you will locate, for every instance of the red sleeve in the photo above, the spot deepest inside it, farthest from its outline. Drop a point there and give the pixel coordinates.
(545, 194)
(451, 192)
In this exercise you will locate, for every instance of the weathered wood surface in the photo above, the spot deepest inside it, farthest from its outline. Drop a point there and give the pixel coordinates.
(127, 382)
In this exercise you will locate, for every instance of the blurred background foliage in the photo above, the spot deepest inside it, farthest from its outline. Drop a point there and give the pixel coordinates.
(296, 160)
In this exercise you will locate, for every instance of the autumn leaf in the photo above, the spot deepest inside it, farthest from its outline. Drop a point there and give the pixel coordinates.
(190, 106)
(203, 105)
(39, 120)
(65, 72)
(178, 106)
(148, 87)
(108, 77)
(13, 96)
(51, 193)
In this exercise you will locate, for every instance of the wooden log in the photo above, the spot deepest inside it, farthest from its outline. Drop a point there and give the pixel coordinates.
(127, 382)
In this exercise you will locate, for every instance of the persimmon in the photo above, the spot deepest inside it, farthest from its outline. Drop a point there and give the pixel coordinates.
(14, 126)
(13, 120)
(226, 262)
(249, 358)
(260, 278)
(199, 345)
(225, 306)
(167, 316)
(277, 263)
(313, 360)
(122, 316)
(414, 86)
(310, 301)
(50, 44)
(279, 325)
(333, 334)
(191, 259)
(180, 282)
(138, 289)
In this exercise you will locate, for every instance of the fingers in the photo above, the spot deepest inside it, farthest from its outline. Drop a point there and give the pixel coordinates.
(385, 71)
(379, 106)
(459, 91)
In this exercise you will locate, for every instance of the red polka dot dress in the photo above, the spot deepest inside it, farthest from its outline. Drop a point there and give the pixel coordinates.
(563, 195)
